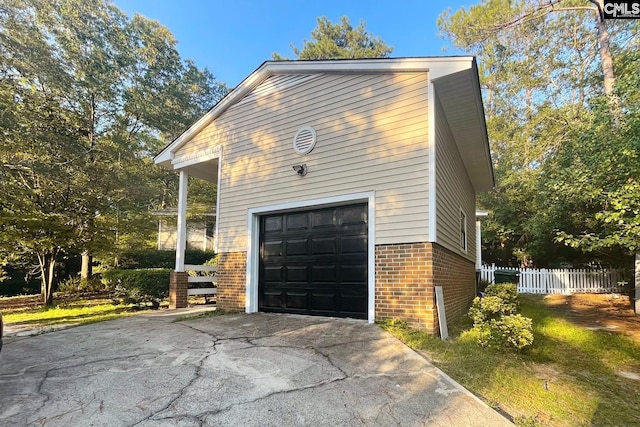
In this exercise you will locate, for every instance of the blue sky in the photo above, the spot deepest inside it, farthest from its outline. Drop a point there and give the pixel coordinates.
(232, 38)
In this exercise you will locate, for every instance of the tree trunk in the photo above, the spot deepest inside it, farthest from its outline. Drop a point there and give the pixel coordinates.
(86, 271)
(47, 261)
(606, 58)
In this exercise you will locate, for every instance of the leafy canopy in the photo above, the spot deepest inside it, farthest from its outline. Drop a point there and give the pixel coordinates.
(340, 41)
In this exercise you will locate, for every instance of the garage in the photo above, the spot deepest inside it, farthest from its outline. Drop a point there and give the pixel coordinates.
(314, 262)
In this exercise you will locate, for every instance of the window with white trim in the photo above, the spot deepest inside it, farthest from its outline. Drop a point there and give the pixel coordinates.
(463, 231)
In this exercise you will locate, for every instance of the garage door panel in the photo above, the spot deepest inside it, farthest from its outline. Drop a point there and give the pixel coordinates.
(353, 273)
(296, 300)
(354, 215)
(273, 223)
(297, 222)
(298, 273)
(274, 274)
(272, 299)
(324, 245)
(324, 274)
(353, 304)
(323, 219)
(322, 301)
(315, 262)
(273, 248)
(297, 247)
(354, 245)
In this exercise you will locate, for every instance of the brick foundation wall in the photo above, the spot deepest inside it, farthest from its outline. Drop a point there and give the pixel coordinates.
(178, 285)
(405, 278)
(457, 276)
(232, 281)
(404, 284)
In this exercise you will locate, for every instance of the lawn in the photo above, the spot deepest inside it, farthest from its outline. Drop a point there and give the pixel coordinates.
(570, 376)
(81, 311)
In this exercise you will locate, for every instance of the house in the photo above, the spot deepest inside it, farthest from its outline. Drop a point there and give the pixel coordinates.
(200, 231)
(345, 187)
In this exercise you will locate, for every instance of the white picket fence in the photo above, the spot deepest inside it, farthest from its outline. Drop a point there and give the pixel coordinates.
(560, 281)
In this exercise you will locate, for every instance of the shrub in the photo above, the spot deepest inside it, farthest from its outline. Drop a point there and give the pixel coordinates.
(496, 322)
(508, 292)
(139, 286)
(160, 259)
(513, 331)
(490, 308)
(76, 284)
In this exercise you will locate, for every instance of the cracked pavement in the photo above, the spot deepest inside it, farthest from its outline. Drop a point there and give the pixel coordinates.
(158, 369)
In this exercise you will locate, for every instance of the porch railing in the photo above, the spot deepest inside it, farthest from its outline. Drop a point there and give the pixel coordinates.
(200, 284)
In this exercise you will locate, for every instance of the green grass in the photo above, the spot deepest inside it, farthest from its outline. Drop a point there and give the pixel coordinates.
(566, 378)
(81, 312)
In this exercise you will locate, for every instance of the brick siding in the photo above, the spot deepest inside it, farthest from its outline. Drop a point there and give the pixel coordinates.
(232, 281)
(457, 276)
(178, 285)
(406, 274)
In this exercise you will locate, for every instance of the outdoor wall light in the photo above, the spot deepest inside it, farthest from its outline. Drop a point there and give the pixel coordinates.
(300, 169)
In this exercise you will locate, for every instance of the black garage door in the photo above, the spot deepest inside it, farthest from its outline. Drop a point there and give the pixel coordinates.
(315, 262)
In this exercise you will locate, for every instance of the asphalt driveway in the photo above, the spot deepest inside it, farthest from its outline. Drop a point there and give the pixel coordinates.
(234, 370)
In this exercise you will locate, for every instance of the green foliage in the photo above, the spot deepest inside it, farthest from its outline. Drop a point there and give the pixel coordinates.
(512, 331)
(340, 41)
(490, 308)
(162, 259)
(87, 94)
(562, 153)
(523, 421)
(508, 292)
(496, 322)
(76, 284)
(139, 286)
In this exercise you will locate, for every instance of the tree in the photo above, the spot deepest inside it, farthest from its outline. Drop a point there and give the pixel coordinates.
(543, 71)
(87, 94)
(340, 41)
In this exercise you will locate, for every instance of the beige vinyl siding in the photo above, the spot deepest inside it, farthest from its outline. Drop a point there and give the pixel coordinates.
(454, 192)
(371, 136)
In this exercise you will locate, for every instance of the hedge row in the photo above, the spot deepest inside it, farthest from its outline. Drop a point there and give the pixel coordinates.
(161, 259)
(139, 285)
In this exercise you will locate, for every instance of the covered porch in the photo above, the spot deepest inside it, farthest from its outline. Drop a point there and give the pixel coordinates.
(189, 279)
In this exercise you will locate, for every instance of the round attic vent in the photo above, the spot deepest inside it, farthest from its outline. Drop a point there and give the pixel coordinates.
(305, 140)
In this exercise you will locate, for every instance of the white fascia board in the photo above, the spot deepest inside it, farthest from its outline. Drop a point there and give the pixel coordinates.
(437, 66)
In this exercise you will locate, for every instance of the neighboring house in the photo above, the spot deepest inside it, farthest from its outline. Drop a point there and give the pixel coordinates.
(200, 232)
(345, 187)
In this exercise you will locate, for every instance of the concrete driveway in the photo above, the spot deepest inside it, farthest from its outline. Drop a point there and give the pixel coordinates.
(234, 370)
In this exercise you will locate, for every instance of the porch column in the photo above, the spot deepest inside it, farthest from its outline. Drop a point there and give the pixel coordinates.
(181, 238)
(636, 294)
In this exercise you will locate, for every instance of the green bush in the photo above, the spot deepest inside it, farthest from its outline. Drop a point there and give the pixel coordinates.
(75, 284)
(161, 259)
(140, 285)
(496, 322)
(490, 308)
(513, 331)
(508, 292)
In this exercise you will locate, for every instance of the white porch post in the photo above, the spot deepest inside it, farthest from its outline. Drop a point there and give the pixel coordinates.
(636, 294)
(181, 238)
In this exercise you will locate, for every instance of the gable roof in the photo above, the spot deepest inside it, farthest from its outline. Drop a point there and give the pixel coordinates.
(455, 79)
